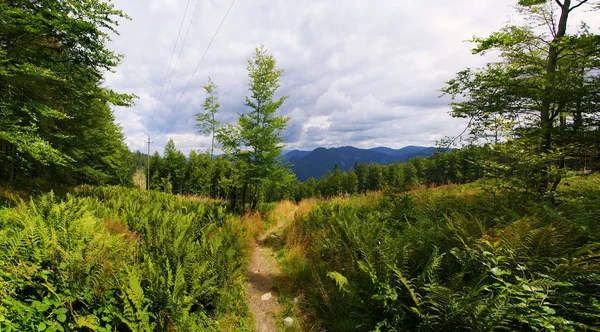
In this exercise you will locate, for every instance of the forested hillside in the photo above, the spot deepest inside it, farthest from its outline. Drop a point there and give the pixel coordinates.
(317, 162)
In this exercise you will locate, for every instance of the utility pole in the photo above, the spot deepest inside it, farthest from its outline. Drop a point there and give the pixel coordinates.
(148, 181)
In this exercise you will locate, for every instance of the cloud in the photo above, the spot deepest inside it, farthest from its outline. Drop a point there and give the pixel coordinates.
(362, 73)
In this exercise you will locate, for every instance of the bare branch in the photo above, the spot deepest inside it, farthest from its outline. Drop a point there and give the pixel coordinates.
(578, 5)
(559, 3)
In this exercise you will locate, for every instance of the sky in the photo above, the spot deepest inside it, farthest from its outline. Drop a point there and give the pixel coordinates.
(364, 73)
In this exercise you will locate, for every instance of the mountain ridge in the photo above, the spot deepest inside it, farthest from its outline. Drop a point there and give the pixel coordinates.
(316, 163)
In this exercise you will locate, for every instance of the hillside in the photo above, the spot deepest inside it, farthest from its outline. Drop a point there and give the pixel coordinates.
(316, 163)
(292, 156)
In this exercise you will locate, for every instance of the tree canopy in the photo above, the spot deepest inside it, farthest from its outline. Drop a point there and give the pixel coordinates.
(540, 101)
(254, 143)
(55, 116)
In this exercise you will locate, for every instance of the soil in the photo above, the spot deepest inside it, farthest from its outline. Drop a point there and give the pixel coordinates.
(264, 269)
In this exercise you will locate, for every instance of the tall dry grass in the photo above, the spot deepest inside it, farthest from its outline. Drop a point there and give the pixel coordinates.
(283, 211)
(200, 199)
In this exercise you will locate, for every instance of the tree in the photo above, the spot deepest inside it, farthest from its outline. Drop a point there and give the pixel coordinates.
(55, 120)
(254, 144)
(545, 83)
(335, 182)
(197, 178)
(350, 183)
(410, 175)
(176, 164)
(362, 172)
(206, 121)
(375, 177)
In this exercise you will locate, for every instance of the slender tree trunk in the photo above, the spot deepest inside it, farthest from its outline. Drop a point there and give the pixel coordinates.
(545, 111)
(578, 124)
(212, 143)
(562, 134)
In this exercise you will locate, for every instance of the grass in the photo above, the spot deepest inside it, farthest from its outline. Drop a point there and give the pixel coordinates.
(455, 257)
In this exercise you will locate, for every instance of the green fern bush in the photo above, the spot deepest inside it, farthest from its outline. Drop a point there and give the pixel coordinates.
(112, 258)
(451, 260)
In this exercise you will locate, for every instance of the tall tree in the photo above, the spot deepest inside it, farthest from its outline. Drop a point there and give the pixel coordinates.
(524, 101)
(206, 121)
(55, 120)
(255, 143)
(176, 164)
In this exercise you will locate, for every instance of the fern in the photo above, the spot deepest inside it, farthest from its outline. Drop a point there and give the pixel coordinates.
(340, 280)
(135, 305)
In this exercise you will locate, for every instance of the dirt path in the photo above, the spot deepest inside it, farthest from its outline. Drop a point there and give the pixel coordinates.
(263, 270)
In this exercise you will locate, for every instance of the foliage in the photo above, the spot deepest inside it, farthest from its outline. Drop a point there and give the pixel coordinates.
(206, 121)
(119, 259)
(254, 144)
(55, 121)
(454, 258)
(540, 100)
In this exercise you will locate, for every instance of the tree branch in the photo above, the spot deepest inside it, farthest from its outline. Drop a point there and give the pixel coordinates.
(559, 3)
(455, 138)
(578, 5)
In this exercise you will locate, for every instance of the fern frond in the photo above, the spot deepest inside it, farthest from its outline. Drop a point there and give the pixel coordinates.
(340, 281)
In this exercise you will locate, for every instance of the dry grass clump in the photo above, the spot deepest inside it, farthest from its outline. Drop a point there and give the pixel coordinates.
(284, 210)
(200, 199)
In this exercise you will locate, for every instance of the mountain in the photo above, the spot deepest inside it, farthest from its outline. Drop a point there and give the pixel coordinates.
(406, 152)
(316, 163)
(293, 155)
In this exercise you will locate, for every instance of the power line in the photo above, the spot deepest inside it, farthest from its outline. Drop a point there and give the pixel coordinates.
(170, 61)
(182, 46)
(200, 62)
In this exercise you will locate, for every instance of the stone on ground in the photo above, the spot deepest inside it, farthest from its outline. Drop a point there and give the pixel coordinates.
(288, 321)
(266, 296)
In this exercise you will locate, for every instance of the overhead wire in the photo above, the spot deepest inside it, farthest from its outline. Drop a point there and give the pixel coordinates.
(182, 46)
(200, 62)
(170, 61)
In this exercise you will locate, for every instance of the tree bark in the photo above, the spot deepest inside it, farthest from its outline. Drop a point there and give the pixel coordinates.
(545, 110)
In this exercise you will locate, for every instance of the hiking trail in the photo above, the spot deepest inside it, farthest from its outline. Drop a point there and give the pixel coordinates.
(264, 269)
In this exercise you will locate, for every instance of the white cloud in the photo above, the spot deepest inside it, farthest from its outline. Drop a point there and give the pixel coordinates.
(362, 72)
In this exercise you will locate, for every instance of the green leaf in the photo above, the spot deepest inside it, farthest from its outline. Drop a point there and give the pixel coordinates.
(61, 317)
(41, 326)
(340, 280)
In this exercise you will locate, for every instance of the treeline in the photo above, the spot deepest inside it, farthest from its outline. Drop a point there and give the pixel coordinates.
(455, 166)
(198, 174)
(56, 124)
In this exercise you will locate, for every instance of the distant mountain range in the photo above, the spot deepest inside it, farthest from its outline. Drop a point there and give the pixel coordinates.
(316, 163)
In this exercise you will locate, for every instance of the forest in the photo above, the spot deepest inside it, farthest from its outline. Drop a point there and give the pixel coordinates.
(499, 229)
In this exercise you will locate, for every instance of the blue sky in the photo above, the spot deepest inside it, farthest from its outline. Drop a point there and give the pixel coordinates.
(364, 73)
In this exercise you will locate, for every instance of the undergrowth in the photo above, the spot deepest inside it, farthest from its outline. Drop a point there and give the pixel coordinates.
(455, 258)
(111, 258)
